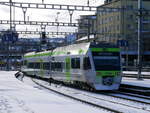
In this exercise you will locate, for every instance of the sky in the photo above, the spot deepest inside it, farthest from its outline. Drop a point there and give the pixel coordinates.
(46, 14)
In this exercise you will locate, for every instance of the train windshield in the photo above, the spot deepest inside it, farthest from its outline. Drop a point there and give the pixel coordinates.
(107, 62)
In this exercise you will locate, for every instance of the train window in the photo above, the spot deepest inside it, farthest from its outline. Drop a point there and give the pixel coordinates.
(53, 66)
(56, 66)
(25, 62)
(37, 65)
(46, 66)
(75, 63)
(30, 65)
(86, 63)
(22, 63)
(59, 66)
(105, 53)
(106, 62)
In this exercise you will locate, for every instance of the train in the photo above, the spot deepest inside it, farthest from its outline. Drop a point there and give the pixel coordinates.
(93, 65)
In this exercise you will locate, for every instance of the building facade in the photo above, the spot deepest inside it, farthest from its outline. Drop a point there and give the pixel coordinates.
(121, 25)
(87, 25)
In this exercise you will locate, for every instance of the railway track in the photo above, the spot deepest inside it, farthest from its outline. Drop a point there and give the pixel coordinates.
(145, 91)
(79, 99)
(133, 95)
(130, 97)
(98, 99)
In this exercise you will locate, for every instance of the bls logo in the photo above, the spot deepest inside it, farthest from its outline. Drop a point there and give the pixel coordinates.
(104, 49)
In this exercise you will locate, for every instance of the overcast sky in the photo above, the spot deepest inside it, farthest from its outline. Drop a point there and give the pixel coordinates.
(46, 14)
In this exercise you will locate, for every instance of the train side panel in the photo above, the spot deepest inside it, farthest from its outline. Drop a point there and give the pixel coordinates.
(97, 66)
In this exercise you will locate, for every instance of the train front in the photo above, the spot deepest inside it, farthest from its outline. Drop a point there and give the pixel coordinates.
(107, 67)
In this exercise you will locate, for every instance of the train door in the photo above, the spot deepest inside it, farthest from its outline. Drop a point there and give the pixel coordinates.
(68, 68)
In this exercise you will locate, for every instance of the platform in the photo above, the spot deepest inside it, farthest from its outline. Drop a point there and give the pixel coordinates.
(134, 81)
(135, 72)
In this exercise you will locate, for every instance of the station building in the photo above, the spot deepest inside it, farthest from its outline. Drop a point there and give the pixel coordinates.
(13, 53)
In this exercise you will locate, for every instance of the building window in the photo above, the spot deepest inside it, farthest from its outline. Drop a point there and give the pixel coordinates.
(100, 13)
(118, 17)
(99, 22)
(105, 29)
(109, 20)
(129, 26)
(106, 21)
(131, 17)
(129, 6)
(118, 27)
(102, 30)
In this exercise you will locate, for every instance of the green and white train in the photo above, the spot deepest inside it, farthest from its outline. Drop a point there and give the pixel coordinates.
(93, 65)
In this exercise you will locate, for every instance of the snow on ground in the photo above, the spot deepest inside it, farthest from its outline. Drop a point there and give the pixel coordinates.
(122, 105)
(18, 97)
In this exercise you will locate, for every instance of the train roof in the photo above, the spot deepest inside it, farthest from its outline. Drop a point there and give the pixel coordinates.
(30, 53)
(74, 49)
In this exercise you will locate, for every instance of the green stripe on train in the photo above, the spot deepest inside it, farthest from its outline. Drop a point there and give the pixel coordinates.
(105, 49)
(68, 67)
(107, 73)
(37, 55)
(45, 54)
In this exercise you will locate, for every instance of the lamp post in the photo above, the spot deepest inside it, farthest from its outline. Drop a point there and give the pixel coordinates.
(71, 13)
(89, 25)
(8, 63)
(56, 20)
(10, 15)
(140, 19)
(42, 1)
(24, 9)
(88, 2)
